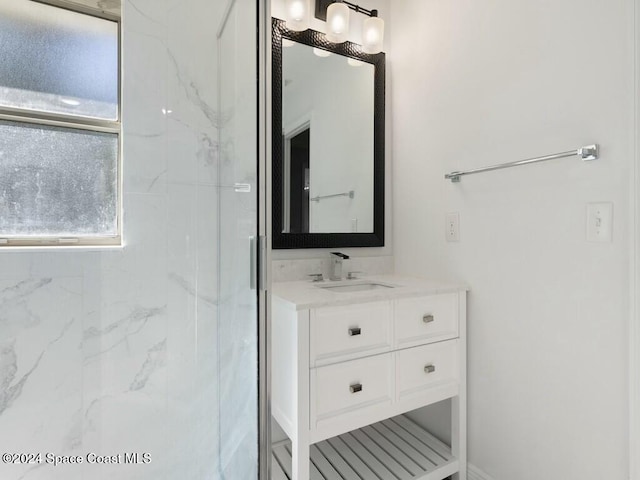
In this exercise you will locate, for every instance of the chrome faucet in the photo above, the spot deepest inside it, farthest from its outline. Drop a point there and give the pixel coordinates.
(336, 265)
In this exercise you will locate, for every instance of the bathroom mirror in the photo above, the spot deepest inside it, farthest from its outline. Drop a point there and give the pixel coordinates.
(328, 142)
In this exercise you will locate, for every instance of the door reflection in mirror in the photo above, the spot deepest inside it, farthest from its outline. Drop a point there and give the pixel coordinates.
(297, 180)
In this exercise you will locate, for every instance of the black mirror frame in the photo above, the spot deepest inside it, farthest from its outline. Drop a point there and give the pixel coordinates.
(282, 240)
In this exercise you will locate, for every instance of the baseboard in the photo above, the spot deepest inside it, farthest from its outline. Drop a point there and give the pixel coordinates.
(474, 473)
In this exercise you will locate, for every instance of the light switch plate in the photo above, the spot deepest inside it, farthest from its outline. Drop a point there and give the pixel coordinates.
(600, 222)
(452, 227)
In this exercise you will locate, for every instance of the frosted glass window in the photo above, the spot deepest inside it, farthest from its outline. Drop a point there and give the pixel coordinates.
(57, 181)
(57, 61)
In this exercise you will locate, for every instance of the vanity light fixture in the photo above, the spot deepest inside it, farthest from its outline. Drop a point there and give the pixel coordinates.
(297, 15)
(336, 14)
(338, 22)
(355, 62)
(373, 33)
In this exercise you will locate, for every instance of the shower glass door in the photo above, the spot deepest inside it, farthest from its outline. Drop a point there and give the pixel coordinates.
(137, 361)
(238, 241)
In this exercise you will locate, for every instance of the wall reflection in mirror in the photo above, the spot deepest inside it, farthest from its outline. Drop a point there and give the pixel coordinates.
(327, 118)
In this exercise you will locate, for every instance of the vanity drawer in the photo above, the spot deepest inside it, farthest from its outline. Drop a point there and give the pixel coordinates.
(348, 332)
(355, 385)
(421, 368)
(423, 320)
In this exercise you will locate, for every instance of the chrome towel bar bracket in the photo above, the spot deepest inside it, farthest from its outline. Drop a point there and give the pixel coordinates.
(587, 153)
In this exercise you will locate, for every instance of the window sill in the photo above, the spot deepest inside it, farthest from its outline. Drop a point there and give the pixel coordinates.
(56, 244)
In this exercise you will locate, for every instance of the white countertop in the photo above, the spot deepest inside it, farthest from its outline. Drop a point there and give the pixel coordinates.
(302, 295)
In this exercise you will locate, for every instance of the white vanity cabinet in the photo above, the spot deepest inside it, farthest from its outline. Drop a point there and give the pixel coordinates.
(347, 366)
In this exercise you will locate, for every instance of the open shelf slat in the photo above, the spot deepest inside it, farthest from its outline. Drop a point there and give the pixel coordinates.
(276, 470)
(394, 449)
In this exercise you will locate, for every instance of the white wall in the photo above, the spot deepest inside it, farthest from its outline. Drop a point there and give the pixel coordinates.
(484, 82)
(287, 259)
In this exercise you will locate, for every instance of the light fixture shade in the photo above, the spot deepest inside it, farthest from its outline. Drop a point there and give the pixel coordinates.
(297, 15)
(337, 22)
(354, 62)
(373, 35)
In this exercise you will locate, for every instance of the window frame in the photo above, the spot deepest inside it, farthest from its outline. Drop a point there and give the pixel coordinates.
(75, 122)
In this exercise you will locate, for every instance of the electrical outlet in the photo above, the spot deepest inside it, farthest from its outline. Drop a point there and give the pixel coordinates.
(600, 222)
(452, 227)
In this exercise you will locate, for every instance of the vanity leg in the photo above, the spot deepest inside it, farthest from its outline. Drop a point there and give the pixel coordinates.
(300, 461)
(459, 403)
(459, 435)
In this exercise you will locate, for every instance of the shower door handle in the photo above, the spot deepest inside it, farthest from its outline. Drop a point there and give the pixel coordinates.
(253, 263)
(258, 263)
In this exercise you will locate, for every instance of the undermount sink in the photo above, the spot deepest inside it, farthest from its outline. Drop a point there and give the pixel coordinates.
(355, 287)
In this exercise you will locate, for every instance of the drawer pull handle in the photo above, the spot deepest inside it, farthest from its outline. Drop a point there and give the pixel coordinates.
(429, 369)
(355, 388)
(355, 331)
(428, 318)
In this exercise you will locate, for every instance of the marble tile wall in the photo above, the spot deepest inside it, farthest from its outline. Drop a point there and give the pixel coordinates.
(113, 351)
(288, 270)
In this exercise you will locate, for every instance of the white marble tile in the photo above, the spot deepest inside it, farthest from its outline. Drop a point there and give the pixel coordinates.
(192, 392)
(15, 264)
(192, 150)
(40, 371)
(193, 89)
(145, 113)
(145, 64)
(300, 269)
(193, 76)
(130, 422)
(125, 361)
(30, 264)
(182, 230)
(209, 227)
(125, 342)
(182, 148)
(145, 237)
(149, 17)
(182, 386)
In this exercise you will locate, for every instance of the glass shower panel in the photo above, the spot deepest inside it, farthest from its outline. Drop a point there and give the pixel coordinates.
(146, 354)
(238, 229)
